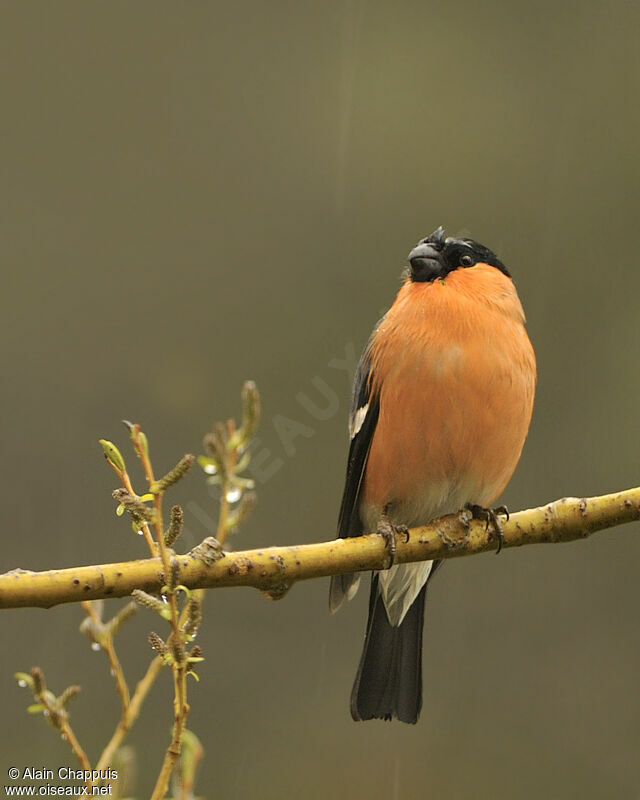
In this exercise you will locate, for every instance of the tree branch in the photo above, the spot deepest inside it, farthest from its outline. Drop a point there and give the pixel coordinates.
(274, 569)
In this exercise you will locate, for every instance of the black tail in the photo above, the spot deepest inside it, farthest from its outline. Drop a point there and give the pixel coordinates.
(389, 679)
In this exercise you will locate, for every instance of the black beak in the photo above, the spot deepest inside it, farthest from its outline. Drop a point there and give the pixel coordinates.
(426, 264)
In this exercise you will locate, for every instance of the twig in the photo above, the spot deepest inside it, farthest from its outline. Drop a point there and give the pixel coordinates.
(179, 662)
(102, 633)
(69, 736)
(225, 486)
(146, 530)
(54, 709)
(106, 643)
(180, 720)
(131, 714)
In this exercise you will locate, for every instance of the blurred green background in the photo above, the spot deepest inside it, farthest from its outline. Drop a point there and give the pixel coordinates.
(198, 193)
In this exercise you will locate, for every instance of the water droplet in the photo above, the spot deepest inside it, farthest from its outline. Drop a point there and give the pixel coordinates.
(233, 495)
(211, 469)
(63, 736)
(95, 646)
(22, 683)
(140, 533)
(112, 672)
(45, 713)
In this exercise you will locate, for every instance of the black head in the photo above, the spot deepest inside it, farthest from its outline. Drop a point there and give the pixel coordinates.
(438, 255)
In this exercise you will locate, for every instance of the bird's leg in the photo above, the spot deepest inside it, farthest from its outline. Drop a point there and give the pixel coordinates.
(489, 515)
(388, 531)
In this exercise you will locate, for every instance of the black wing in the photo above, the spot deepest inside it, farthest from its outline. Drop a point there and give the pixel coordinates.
(365, 408)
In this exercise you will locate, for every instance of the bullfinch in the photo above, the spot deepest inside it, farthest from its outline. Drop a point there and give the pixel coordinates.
(441, 405)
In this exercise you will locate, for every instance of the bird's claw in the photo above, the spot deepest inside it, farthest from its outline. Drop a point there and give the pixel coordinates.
(490, 515)
(388, 532)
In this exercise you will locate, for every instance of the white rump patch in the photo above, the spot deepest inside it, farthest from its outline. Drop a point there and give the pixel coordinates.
(357, 420)
(400, 586)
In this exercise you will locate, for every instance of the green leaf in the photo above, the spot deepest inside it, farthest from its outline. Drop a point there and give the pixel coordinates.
(24, 679)
(144, 443)
(208, 464)
(113, 455)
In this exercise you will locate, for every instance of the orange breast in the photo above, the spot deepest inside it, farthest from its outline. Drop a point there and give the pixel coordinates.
(456, 375)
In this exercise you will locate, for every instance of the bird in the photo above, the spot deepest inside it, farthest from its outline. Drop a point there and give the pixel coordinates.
(440, 409)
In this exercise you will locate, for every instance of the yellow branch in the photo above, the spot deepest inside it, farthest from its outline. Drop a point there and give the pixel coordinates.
(274, 569)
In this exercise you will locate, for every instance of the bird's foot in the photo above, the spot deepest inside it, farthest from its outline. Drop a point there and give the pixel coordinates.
(388, 531)
(489, 515)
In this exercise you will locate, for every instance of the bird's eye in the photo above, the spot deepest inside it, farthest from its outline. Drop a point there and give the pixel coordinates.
(467, 261)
